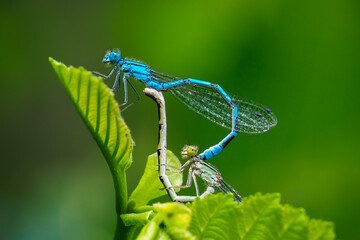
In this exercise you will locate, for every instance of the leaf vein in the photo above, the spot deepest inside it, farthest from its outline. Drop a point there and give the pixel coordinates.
(117, 139)
(88, 98)
(108, 113)
(79, 89)
(98, 109)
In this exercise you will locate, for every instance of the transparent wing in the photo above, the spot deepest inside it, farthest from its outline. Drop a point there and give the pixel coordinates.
(218, 182)
(224, 187)
(252, 117)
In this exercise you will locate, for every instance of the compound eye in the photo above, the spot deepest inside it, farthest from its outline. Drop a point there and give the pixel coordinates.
(114, 56)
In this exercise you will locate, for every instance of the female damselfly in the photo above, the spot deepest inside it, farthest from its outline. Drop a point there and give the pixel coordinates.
(208, 173)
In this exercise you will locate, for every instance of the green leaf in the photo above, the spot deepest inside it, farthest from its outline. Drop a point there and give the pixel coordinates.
(294, 221)
(260, 217)
(136, 219)
(176, 218)
(98, 109)
(163, 236)
(150, 185)
(174, 214)
(150, 231)
(212, 217)
(178, 234)
(321, 230)
(257, 217)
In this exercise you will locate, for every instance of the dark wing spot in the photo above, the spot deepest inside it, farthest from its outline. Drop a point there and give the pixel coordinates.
(267, 110)
(259, 115)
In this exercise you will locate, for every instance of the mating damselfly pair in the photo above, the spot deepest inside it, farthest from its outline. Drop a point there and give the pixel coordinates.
(206, 98)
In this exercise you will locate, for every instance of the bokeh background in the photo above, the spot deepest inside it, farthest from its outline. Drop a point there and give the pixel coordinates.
(300, 58)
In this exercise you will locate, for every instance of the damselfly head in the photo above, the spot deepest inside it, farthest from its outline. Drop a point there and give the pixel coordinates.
(112, 57)
(189, 151)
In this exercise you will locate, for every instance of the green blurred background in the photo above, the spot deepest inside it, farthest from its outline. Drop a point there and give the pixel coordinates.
(300, 58)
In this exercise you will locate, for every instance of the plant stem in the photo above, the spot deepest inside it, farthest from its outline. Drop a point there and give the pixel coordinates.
(119, 178)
